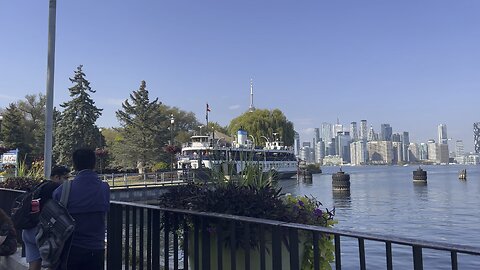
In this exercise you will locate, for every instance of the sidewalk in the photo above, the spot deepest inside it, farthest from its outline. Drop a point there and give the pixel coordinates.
(14, 262)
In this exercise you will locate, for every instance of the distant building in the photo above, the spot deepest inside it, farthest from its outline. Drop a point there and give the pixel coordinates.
(385, 132)
(332, 161)
(343, 145)
(354, 131)
(396, 137)
(397, 149)
(306, 144)
(296, 144)
(316, 133)
(423, 151)
(372, 136)
(443, 154)
(326, 132)
(337, 128)
(476, 136)
(459, 149)
(306, 154)
(442, 134)
(358, 153)
(380, 152)
(363, 130)
(472, 159)
(330, 148)
(413, 152)
(432, 150)
(319, 152)
(405, 144)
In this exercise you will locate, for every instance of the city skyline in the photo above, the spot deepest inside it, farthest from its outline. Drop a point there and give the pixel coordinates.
(411, 64)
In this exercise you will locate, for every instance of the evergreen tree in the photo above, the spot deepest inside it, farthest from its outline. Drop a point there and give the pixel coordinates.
(75, 127)
(13, 130)
(143, 131)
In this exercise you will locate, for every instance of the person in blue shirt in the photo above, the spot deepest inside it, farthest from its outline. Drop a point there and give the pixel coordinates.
(88, 203)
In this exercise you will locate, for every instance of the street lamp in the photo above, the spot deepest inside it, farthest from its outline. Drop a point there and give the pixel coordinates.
(172, 123)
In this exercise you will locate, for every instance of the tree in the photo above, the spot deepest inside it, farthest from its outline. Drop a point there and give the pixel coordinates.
(217, 127)
(13, 130)
(143, 130)
(76, 126)
(266, 123)
(33, 109)
(185, 123)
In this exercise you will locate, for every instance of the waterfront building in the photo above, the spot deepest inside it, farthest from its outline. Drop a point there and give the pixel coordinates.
(423, 151)
(397, 149)
(306, 154)
(319, 152)
(443, 155)
(432, 150)
(406, 144)
(385, 132)
(358, 153)
(326, 132)
(363, 130)
(343, 140)
(476, 136)
(442, 134)
(459, 149)
(472, 159)
(296, 143)
(380, 152)
(413, 152)
(332, 160)
(354, 131)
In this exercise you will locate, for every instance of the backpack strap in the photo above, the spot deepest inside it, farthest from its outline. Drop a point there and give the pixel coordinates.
(65, 193)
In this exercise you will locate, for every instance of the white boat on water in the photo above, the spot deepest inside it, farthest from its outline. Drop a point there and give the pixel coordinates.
(205, 151)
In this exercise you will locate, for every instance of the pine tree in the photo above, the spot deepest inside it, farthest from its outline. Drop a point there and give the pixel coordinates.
(13, 130)
(75, 127)
(143, 130)
(33, 109)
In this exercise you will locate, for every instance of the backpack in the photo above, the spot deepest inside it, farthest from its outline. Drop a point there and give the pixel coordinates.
(21, 214)
(55, 229)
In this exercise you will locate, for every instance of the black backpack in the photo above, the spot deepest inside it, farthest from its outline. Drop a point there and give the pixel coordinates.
(22, 215)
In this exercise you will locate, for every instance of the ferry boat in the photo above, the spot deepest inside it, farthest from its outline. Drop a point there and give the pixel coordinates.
(206, 151)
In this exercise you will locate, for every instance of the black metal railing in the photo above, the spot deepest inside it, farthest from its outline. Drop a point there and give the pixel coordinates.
(149, 237)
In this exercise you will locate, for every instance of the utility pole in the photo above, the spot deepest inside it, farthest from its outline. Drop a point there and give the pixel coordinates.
(47, 156)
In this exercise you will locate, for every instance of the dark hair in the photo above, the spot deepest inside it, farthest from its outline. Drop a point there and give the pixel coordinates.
(59, 170)
(83, 158)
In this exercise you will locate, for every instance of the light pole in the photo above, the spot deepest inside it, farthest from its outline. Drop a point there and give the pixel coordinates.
(172, 123)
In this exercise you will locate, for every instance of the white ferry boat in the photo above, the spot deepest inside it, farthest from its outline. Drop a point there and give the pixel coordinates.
(232, 157)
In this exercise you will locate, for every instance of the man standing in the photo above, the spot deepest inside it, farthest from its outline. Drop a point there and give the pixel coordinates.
(88, 203)
(58, 175)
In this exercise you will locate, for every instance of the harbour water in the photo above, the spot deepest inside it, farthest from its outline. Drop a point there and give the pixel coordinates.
(385, 200)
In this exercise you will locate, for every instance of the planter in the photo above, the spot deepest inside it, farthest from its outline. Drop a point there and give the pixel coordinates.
(240, 254)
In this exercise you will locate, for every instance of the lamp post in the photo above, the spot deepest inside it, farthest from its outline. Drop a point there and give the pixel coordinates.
(172, 123)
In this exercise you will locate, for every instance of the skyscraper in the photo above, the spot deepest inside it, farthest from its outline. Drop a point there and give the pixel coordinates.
(442, 134)
(406, 144)
(353, 131)
(385, 132)
(372, 136)
(326, 133)
(316, 133)
(459, 149)
(296, 143)
(363, 130)
(476, 136)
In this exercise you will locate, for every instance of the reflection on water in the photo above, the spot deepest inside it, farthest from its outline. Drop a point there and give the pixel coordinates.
(421, 190)
(342, 199)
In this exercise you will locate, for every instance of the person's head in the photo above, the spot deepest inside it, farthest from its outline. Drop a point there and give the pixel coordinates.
(59, 174)
(83, 158)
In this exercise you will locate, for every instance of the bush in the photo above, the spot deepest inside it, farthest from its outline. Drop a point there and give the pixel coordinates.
(20, 183)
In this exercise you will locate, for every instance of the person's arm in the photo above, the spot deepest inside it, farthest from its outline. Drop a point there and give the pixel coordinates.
(57, 193)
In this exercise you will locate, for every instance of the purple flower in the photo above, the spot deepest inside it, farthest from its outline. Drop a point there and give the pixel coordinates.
(317, 212)
(301, 203)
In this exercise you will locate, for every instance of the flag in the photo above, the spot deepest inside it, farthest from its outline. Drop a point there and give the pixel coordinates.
(208, 108)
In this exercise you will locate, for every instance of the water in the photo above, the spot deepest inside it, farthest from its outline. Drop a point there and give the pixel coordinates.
(384, 200)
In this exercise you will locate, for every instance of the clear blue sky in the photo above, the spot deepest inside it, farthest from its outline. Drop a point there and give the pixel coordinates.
(412, 64)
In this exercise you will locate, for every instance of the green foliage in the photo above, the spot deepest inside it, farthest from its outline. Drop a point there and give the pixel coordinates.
(76, 126)
(143, 130)
(33, 109)
(159, 166)
(19, 183)
(264, 123)
(13, 130)
(217, 127)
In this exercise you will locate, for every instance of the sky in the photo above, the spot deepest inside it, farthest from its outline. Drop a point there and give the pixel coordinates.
(412, 64)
